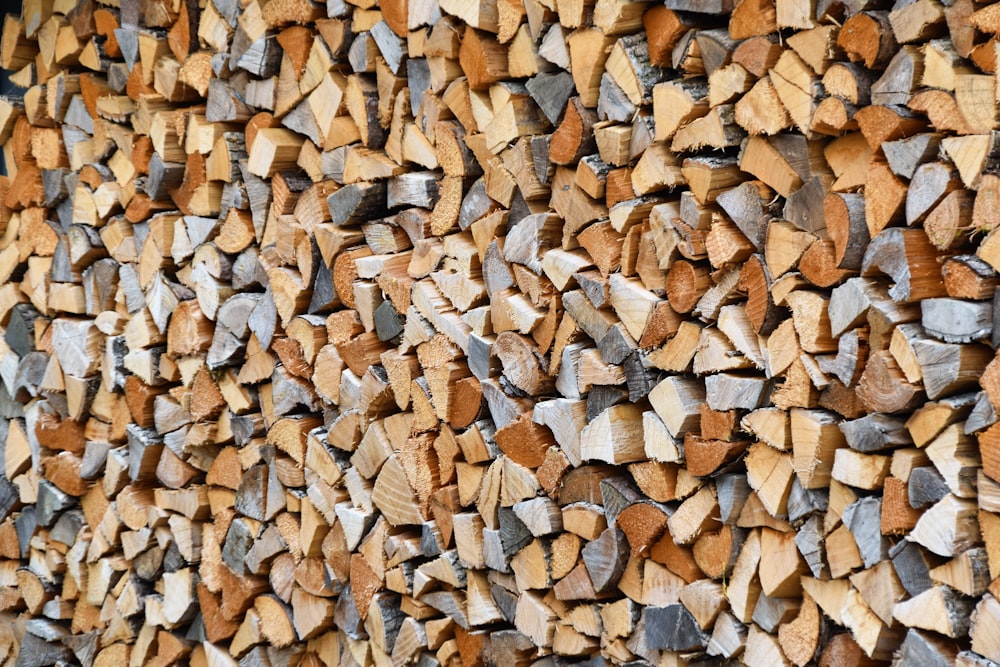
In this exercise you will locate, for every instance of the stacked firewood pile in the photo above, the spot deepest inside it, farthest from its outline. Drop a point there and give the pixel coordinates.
(475, 332)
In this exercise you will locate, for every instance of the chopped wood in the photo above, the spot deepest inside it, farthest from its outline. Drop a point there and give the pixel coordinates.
(485, 332)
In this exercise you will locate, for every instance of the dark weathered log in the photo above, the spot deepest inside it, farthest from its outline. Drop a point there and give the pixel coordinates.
(673, 628)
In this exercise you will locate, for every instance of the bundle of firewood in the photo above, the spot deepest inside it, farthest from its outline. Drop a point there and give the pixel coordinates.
(475, 332)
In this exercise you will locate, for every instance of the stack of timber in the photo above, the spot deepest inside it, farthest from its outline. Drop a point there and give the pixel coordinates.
(513, 332)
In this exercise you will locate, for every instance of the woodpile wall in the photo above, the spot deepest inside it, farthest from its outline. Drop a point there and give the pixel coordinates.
(514, 332)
